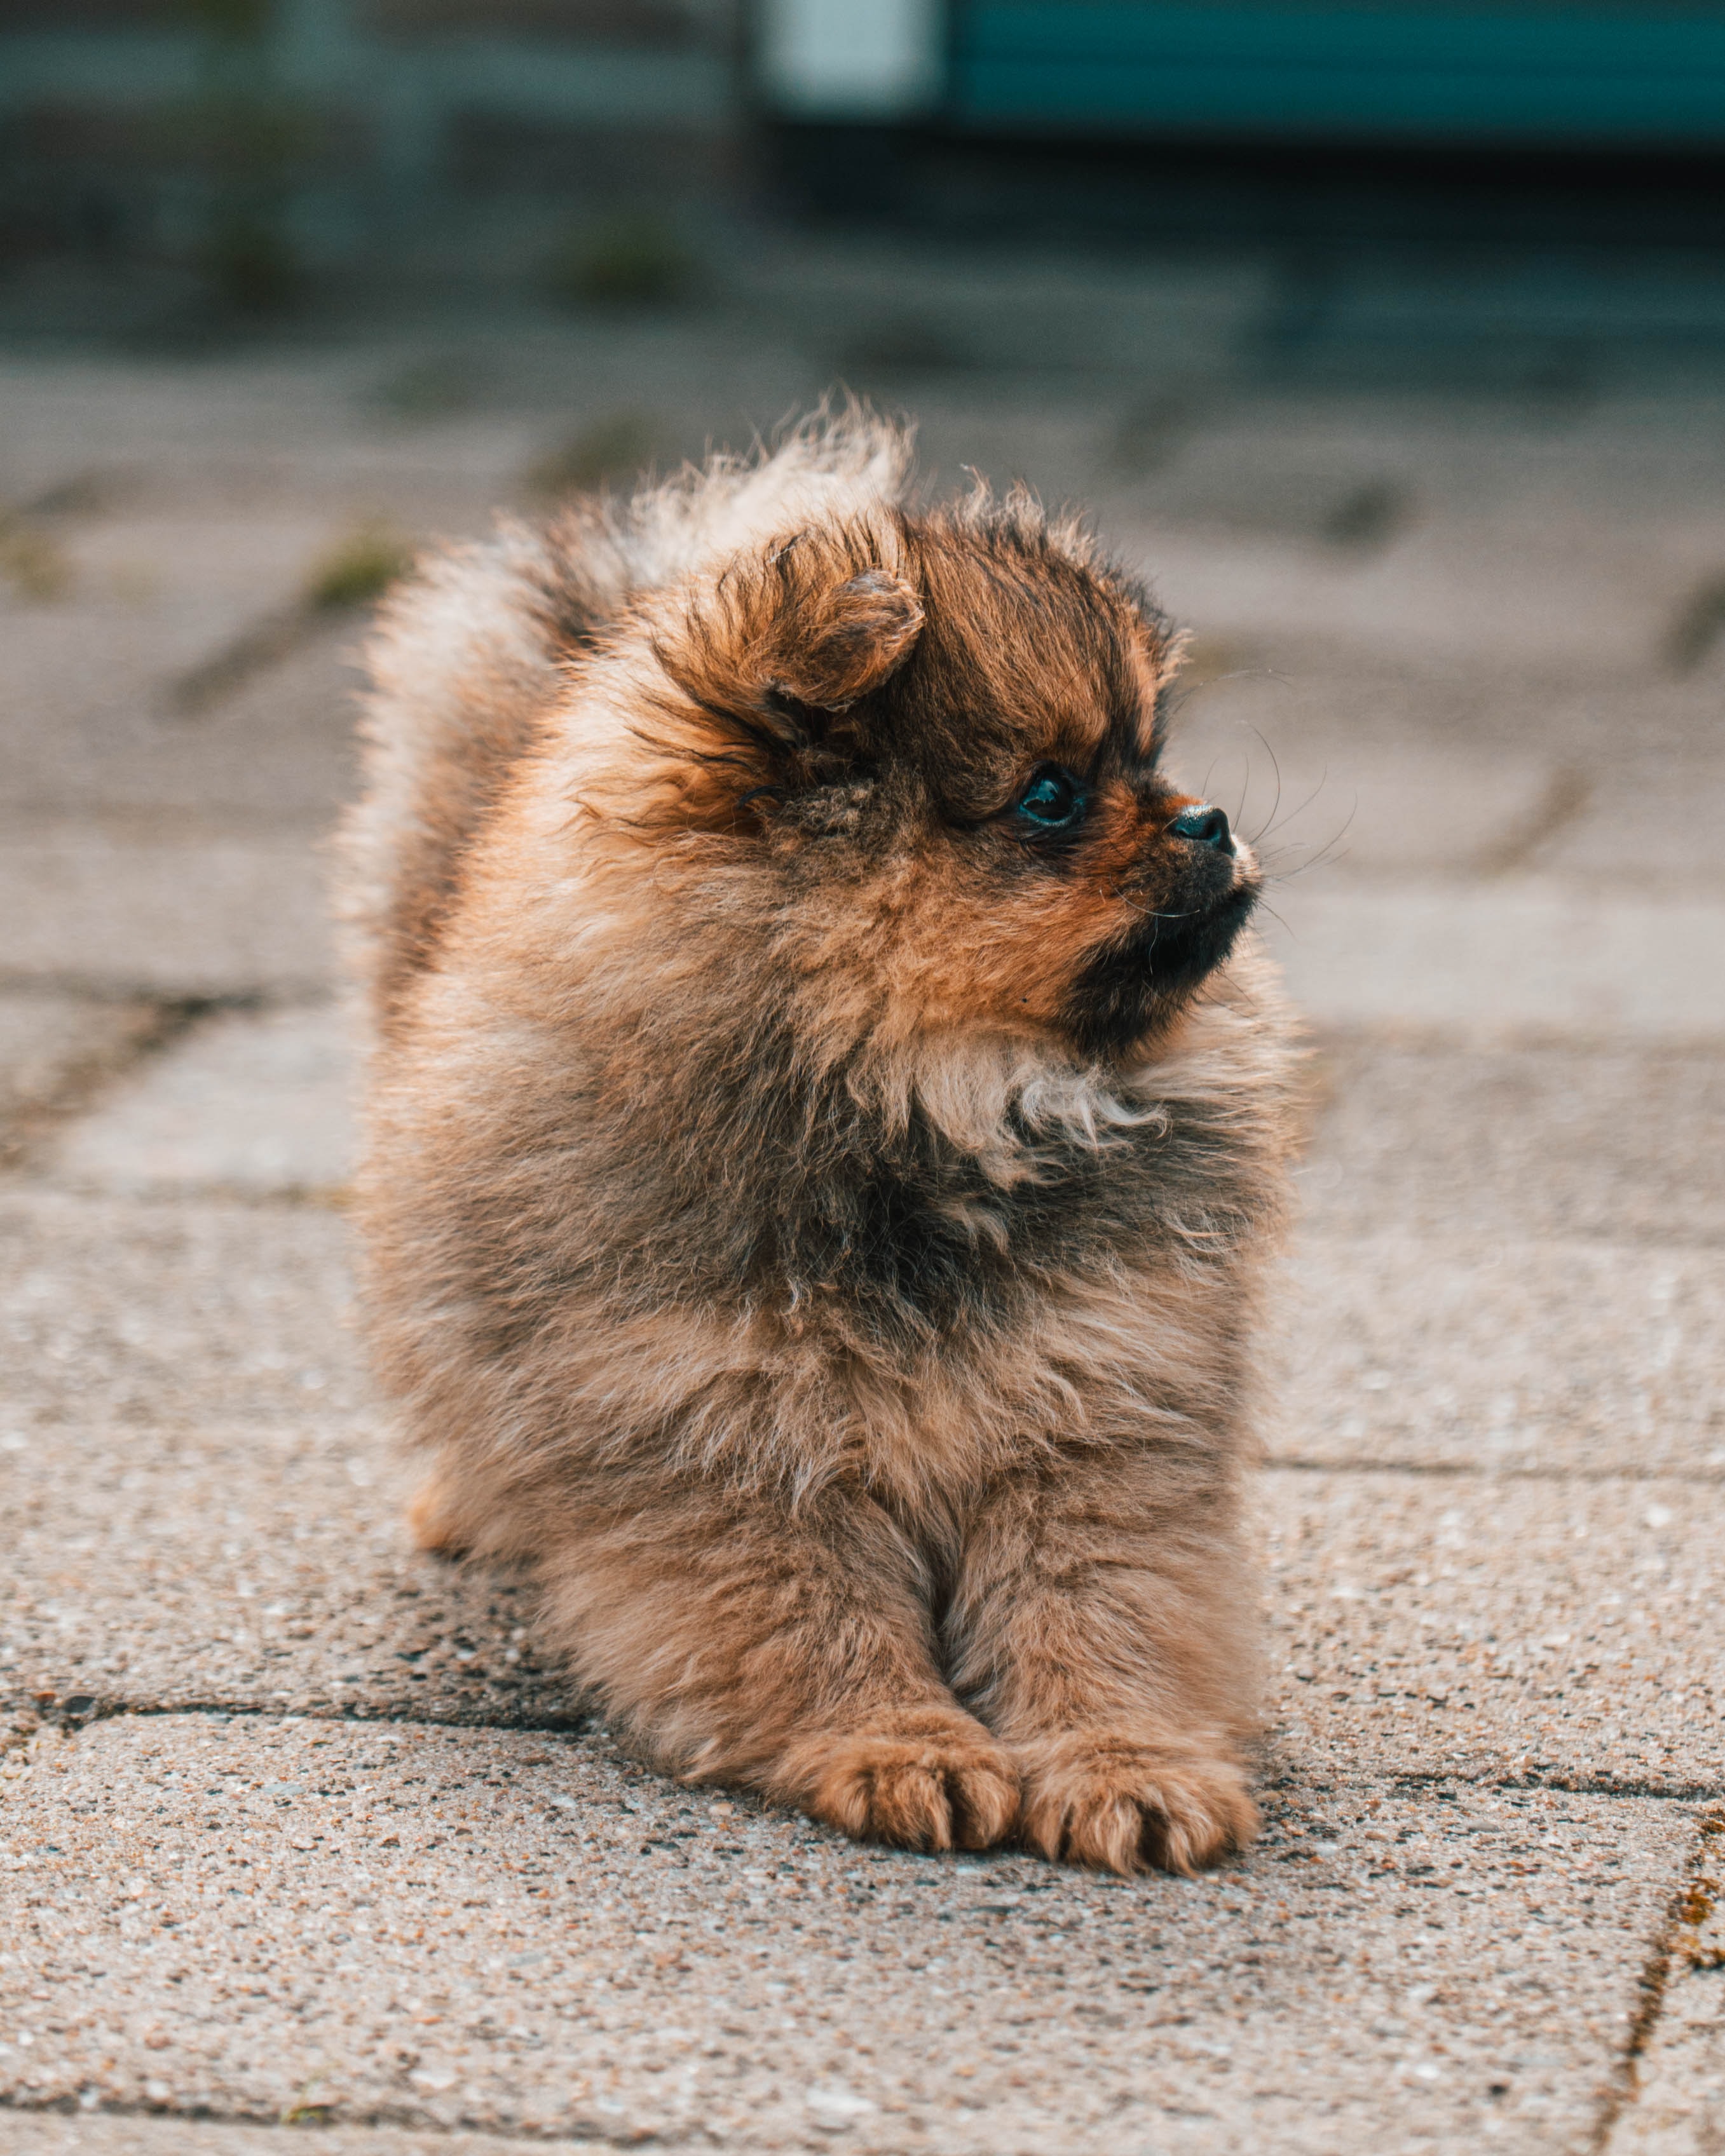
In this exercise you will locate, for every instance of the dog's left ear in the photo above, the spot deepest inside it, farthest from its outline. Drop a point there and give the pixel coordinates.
(832, 643)
(818, 619)
(765, 663)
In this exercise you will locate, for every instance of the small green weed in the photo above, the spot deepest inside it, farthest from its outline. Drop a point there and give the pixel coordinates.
(31, 562)
(356, 569)
(628, 261)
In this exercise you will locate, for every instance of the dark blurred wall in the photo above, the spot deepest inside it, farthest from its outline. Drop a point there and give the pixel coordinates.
(139, 126)
(268, 137)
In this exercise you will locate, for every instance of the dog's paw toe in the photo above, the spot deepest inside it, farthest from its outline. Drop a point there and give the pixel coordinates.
(920, 1785)
(1124, 1802)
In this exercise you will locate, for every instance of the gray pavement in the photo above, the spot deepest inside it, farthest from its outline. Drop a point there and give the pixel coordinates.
(296, 1828)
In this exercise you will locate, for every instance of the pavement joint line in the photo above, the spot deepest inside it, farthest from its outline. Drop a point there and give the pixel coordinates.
(1653, 1983)
(174, 1017)
(1567, 793)
(1461, 1471)
(105, 989)
(262, 644)
(61, 1715)
(1606, 1788)
(170, 1196)
(298, 2118)
(294, 992)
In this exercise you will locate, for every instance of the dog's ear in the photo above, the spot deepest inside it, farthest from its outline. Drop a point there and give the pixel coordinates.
(766, 664)
(831, 643)
(818, 619)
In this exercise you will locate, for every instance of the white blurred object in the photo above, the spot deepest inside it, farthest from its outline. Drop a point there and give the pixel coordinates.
(851, 59)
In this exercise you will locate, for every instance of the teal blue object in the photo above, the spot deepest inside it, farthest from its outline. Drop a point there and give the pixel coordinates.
(1408, 72)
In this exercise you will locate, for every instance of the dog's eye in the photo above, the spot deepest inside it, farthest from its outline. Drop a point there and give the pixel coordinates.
(1051, 800)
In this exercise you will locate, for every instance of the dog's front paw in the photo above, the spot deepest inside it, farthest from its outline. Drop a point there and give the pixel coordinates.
(925, 1781)
(1125, 1800)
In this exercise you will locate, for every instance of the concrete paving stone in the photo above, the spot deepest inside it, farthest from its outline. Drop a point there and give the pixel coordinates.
(255, 1101)
(1254, 686)
(1324, 808)
(275, 750)
(52, 1045)
(1522, 959)
(75, 663)
(162, 1315)
(1611, 505)
(1611, 470)
(1622, 1143)
(252, 1566)
(220, 569)
(270, 1918)
(326, 434)
(69, 412)
(247, 432)
(149, 597)
(1041, 312)
(1470, 1350)
(1493, 1626)
(1677, 2097)
(164, 913)
(1652, 821)
(1415, 597)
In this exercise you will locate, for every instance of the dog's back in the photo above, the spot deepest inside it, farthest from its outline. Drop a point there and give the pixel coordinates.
(462, 662)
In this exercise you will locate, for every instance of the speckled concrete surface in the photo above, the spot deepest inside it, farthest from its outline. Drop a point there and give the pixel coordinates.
(295, 1827)
(1508, 963)
(1461, 1351)
(157, 1315)
(1500, 1626)
(105, 907)
(254, 1567)
(261, 1102)
(263, 1918)
(1545, 1144)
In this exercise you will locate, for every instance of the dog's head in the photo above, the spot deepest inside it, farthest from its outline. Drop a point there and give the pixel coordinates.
(938, 738)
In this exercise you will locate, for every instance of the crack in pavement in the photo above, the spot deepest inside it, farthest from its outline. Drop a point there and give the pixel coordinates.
(1655, 1983)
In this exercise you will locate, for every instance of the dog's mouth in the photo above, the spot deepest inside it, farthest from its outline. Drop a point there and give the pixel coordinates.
(1184, 947)
(1128, 987)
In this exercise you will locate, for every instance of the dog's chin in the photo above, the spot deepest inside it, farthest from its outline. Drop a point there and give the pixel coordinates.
(1131, 990)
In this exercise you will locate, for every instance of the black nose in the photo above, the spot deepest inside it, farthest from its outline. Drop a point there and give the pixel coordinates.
(1205, 827)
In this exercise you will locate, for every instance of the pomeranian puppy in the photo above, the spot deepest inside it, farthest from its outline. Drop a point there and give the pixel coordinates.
(828, 1120)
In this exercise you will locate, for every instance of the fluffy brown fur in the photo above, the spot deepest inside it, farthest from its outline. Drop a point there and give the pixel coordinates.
(814, 1194)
